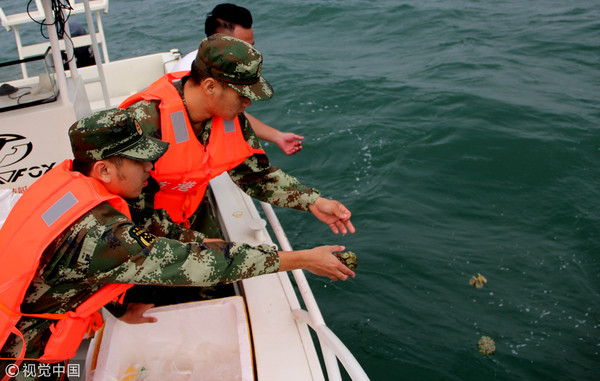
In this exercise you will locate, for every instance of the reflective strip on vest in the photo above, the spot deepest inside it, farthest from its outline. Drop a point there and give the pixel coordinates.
(184, 171)
(50, 205)
(59, 208)
(229, 126)
(179, 127)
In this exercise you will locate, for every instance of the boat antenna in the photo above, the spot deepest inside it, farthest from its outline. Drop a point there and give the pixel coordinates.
(60, 18)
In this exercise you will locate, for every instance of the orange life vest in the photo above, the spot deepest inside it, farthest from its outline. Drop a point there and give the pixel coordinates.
(184, 171)
(50, 205)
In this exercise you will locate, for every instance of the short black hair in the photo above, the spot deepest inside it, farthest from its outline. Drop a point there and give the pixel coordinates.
(85, 167)
(227, 16)
(197, 75)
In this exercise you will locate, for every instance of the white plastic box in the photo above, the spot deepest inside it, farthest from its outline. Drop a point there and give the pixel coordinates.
(207, 340)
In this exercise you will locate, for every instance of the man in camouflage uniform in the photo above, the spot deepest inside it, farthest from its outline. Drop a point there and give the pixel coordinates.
(255, 175)
(105, 246)
(236, 21)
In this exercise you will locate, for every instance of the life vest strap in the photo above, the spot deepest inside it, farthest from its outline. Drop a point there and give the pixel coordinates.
(40, 316)
(21, 356)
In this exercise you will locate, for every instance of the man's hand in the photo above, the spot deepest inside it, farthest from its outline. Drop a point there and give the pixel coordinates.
(334, 214)
(319, 261)
(289, 142)
(135, 314)
(324, 263)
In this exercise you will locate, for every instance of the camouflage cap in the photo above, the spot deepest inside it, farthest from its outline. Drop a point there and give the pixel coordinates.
(236, 63)
(113, 132)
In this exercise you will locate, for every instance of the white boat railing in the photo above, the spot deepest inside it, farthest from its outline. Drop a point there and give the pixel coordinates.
(61, 78)
(100, 78)
(55, 44)
(332, 347)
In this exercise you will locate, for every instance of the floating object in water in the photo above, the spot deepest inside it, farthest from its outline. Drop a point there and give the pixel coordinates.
(349, 259)
(478, 281)
(486, 346)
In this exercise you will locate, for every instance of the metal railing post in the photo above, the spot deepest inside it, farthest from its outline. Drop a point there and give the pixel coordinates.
(92, 32)
(331, 347)
(61, 80)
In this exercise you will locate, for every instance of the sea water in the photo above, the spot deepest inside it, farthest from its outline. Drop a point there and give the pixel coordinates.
(464, 136)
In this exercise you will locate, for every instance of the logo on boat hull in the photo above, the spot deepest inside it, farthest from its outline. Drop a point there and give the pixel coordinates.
(33, 172)
(13, 149)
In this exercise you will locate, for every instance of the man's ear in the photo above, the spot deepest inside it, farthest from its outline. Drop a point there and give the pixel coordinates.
(101, 171)
(209, 85)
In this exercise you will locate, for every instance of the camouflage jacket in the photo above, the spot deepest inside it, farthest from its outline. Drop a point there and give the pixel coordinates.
(104, 246)
(255, 175)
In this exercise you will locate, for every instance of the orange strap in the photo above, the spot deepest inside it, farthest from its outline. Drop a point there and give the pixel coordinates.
(19, 359)
(41, 316)
(95, 323)
(21, 356)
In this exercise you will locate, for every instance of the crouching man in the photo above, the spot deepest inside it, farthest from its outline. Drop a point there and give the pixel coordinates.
(69, 246)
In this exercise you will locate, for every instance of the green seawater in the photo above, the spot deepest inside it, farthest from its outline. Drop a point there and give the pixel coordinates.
(464, 136)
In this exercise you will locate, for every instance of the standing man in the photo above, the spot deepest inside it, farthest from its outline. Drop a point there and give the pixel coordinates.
(69, 245)
(236, 21)
(201, 113)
